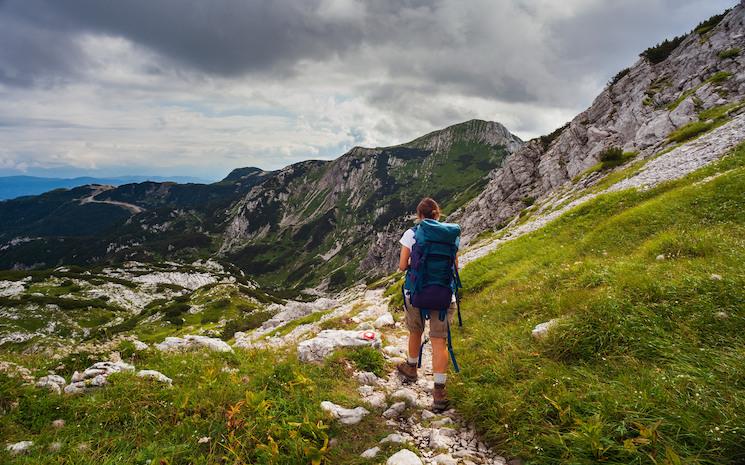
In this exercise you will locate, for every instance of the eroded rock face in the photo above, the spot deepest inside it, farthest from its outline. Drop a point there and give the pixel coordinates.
(321, 346)
(637, 114)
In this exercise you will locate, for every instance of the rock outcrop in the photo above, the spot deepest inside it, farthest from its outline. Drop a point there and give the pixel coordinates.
(636, 113)
(191, 342)
(321, 346)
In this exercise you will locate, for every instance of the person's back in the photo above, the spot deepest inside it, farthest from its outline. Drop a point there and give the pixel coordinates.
(429, 256)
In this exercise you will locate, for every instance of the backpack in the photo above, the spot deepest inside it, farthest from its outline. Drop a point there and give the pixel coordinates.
(432, 278)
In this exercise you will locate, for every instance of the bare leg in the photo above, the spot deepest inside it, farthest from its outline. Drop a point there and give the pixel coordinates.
(439, 355)
(415, 342)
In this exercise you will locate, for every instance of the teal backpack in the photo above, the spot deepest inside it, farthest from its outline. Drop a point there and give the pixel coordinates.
(432, 278)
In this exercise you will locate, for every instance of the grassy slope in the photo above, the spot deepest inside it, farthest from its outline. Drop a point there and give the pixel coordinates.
(267, 411)
(641, 368)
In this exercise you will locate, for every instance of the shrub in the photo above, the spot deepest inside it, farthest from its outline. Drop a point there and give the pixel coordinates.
(618, 77)
(729, 53)
(718, 77)
(548, 139)
(611, 154)
(368, 359)
(611, 157)
(661, 51)
(706, 26)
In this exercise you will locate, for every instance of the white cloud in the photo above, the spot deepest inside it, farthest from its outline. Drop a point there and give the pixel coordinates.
(131, 100)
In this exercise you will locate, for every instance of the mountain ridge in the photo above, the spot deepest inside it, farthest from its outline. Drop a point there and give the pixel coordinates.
(638, 112)
(241, 216)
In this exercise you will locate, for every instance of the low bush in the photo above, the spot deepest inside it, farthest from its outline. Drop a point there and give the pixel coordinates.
(729, 53)
(705, 26)
(662, 51)
(620, 75)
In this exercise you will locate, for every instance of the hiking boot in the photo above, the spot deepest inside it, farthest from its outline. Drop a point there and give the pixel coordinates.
(408, 371)
(440, 401)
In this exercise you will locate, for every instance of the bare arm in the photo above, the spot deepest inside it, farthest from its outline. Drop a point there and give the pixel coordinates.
(403, 261)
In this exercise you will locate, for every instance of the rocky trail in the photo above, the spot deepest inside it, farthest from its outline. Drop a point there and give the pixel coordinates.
(442, 439)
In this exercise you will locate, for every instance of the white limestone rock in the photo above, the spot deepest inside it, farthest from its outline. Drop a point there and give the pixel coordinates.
(368, 378)
(156, 375)
(370, 453)
(393, 351)
(405, 395)
(395, 410)
(345, 416)
(437, 440)
(404, 457)
(394, 438)
(190, 342)
(376, 400)
(384, 320)
(541, 330)
(54, 383)
(321, 346)
(19, 448)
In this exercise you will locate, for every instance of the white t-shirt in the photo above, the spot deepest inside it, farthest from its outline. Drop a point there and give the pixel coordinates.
(408, 240)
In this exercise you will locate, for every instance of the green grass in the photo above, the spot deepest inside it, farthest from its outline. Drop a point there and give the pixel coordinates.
(364, 359)
(643, 367)
(719, 76)
(708, 120)
(730, 53)
(690, 131)
(267, 412)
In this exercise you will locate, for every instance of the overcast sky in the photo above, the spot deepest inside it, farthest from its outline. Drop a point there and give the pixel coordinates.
(195, 87)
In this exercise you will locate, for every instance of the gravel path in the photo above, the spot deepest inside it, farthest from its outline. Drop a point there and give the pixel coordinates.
(440, 438)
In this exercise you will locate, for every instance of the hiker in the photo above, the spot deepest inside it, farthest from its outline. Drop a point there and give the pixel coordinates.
(429, 257)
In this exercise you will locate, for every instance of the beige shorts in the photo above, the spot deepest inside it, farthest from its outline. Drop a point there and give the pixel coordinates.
(437, 328)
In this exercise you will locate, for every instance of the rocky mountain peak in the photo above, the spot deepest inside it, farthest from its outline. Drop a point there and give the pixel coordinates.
(472, 131)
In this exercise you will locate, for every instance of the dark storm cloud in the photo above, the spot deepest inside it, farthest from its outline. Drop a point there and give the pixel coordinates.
(101, 83)
(475, 48)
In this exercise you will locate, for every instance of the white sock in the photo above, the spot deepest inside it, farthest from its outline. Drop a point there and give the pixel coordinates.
(412, 360)
(441, 378)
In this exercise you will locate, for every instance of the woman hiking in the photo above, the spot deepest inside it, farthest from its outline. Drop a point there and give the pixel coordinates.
(429, 257)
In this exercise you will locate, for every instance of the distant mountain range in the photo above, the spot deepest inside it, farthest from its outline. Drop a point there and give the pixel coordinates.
(291, 228)
(18, 186)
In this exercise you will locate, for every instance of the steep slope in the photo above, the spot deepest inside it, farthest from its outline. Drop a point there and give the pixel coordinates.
(654, 104)
(338, 218)
(642, 363)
